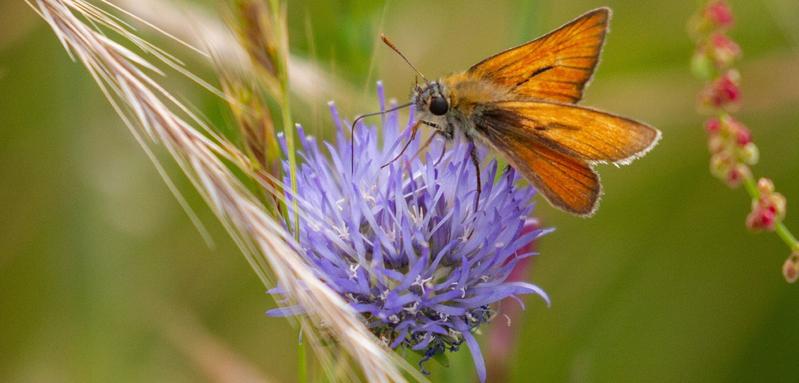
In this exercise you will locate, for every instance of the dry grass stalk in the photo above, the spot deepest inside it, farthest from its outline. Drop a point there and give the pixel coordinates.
(256, 35)
(255, 123)
(195, 27)
(155, 116)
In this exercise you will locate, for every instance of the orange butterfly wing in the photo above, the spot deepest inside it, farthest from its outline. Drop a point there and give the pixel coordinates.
(566, 182)
(554, 67)
(585, 133)
(554, 145)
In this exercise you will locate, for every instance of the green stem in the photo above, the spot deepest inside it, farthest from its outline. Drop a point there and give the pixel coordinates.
(279, 26)
(288, 131)
(787, 236)
(302, 361)
(751, 187)
(279, 12)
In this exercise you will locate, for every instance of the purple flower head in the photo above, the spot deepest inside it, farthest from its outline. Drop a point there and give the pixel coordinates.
(403, 244)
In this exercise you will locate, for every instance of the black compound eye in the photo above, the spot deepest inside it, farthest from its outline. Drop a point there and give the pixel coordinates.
(438, 106)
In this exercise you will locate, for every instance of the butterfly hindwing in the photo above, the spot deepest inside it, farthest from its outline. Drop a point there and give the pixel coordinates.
(554, 145)
(585, 133)
(567, 182)
(555, 67)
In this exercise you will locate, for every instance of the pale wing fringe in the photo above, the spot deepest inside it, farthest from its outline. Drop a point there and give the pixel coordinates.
(145, 108)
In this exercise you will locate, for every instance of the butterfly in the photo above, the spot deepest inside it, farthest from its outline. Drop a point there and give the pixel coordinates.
(522, 103)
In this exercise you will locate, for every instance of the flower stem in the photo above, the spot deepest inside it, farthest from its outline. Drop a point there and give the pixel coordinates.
(280, 28)
(302, 361)
(279, 23)
(288, 131)
(751, 187)
(787, 236)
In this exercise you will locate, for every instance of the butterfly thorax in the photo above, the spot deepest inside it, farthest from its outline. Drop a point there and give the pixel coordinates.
(450, 103)
(466, 91)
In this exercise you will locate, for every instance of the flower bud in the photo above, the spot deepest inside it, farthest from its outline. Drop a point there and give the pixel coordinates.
(761, 219)
(765, 186)
(790, 269)
(768, 210)
(720, 165)
(719, 14)
(724, 50)
(743, 136)
(702, 65)
(712, 125)
(716, 143)
(778, 204)
(736, 175)
(724, 92)
(749, 154)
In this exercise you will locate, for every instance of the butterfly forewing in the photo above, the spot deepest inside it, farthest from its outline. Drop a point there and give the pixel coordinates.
(555, 67)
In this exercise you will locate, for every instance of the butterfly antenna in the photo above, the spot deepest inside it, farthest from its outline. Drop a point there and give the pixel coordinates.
(355, 124)
(395, 49)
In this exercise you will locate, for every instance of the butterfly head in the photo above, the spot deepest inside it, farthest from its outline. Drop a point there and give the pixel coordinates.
(431, 98)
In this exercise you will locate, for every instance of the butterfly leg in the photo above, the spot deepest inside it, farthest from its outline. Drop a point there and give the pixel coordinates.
(427, 144)
(476, 162)
(414, 130)
(447, 134)
(443, 151)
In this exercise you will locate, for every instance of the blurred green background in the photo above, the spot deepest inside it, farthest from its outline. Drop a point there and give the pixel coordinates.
(103, 278)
